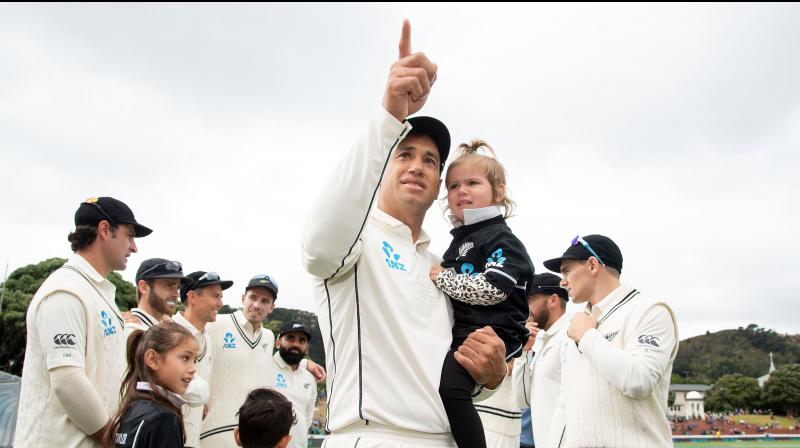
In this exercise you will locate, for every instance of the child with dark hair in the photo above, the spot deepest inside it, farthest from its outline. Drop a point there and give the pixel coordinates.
(265, 419)
(161, 363)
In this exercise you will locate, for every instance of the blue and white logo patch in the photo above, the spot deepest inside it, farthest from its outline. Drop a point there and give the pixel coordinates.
(393, 258)
(280, 381)
(107, 323)
(230, 341)
(496, 260)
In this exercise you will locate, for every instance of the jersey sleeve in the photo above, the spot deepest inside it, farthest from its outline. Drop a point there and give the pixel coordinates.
(506, 262)
(61, 327)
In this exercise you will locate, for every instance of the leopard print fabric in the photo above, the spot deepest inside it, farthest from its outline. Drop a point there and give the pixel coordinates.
(472, 290)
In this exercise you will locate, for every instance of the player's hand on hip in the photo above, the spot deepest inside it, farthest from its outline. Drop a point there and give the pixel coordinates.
(410, 79)
(579, 325)
(483, 355)
(317, 370)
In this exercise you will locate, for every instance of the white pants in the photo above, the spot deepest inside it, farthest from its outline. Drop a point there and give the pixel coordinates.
(380, 436)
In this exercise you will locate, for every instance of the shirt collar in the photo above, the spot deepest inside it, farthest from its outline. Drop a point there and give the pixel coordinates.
(279, 360)
(180, 319)
(246, 324)
(173, 397)
(557, 326)
(399, 227)
(609, 301)
(153, 320)
(475, 215)
(84, 266)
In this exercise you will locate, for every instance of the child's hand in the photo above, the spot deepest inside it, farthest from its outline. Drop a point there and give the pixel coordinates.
(435, 271)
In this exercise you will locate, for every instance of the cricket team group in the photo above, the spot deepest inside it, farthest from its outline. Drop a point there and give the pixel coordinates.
(422, 350)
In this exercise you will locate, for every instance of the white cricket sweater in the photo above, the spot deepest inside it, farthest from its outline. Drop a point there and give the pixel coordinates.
(539, 379)
(614, 385)
(386, 327)
(300, 387)
(242, 362)
(198, 393)
(41, 420)
(501, 415)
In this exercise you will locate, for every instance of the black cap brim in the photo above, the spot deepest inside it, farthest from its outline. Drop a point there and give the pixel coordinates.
(437, 131)
(184, 279)
(555, 264)
(141, 231)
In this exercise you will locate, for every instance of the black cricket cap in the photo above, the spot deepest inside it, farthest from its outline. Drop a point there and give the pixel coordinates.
(293, 325)
(437, 131)
(606, 249)
(547, 283)
(94, 210)
(202, 279)
(264, 281)
(161, 268)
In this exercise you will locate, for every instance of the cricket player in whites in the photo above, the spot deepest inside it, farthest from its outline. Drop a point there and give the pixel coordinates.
(385, 325)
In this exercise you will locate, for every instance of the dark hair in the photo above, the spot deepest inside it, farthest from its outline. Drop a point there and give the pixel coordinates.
(84, 235)
(150, 282)
(265, 418)
(161, 338)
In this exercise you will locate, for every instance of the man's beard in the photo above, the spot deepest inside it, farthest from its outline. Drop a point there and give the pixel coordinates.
(291, 357)
(541, 318)
(158, 304)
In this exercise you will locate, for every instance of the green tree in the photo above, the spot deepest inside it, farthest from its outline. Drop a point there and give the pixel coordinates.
(733, 392)
(782, 390)
(19, 290)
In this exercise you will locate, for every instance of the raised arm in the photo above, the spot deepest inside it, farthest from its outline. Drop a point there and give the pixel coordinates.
(331, 239)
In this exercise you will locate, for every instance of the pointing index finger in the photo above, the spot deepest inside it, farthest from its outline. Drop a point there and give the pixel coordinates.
(405, 39)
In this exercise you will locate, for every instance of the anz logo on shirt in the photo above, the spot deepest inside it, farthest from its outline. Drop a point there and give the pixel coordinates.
(392, 258)
(280, 381)
(230, 341)
(107, 323)
(496, 260)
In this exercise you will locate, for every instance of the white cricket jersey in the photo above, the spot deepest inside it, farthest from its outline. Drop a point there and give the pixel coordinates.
(242, 362)
(146, 320)
(385, 325)
(501, 415)
(540, 378)
(97, 346)
(197, 394)
(614, 385)
(300, 387)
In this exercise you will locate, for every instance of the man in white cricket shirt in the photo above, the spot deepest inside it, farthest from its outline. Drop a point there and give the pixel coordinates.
(158, 283)
(75, 352)
(202, 298)
(617, 359)
(242, 350)
(386, 327)
(538, 375)
(295, 383)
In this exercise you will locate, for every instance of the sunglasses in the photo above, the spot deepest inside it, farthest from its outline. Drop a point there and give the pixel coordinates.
(103, 212)
(586, 245)
(172, 266)
(210, 276)
(264, 277)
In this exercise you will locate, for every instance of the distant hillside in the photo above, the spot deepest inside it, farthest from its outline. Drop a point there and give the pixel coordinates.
(744, 351)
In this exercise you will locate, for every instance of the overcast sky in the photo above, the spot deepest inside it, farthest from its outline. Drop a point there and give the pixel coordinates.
(673, 129)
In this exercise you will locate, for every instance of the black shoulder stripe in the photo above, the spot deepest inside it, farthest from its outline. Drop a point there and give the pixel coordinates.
(372, 199)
